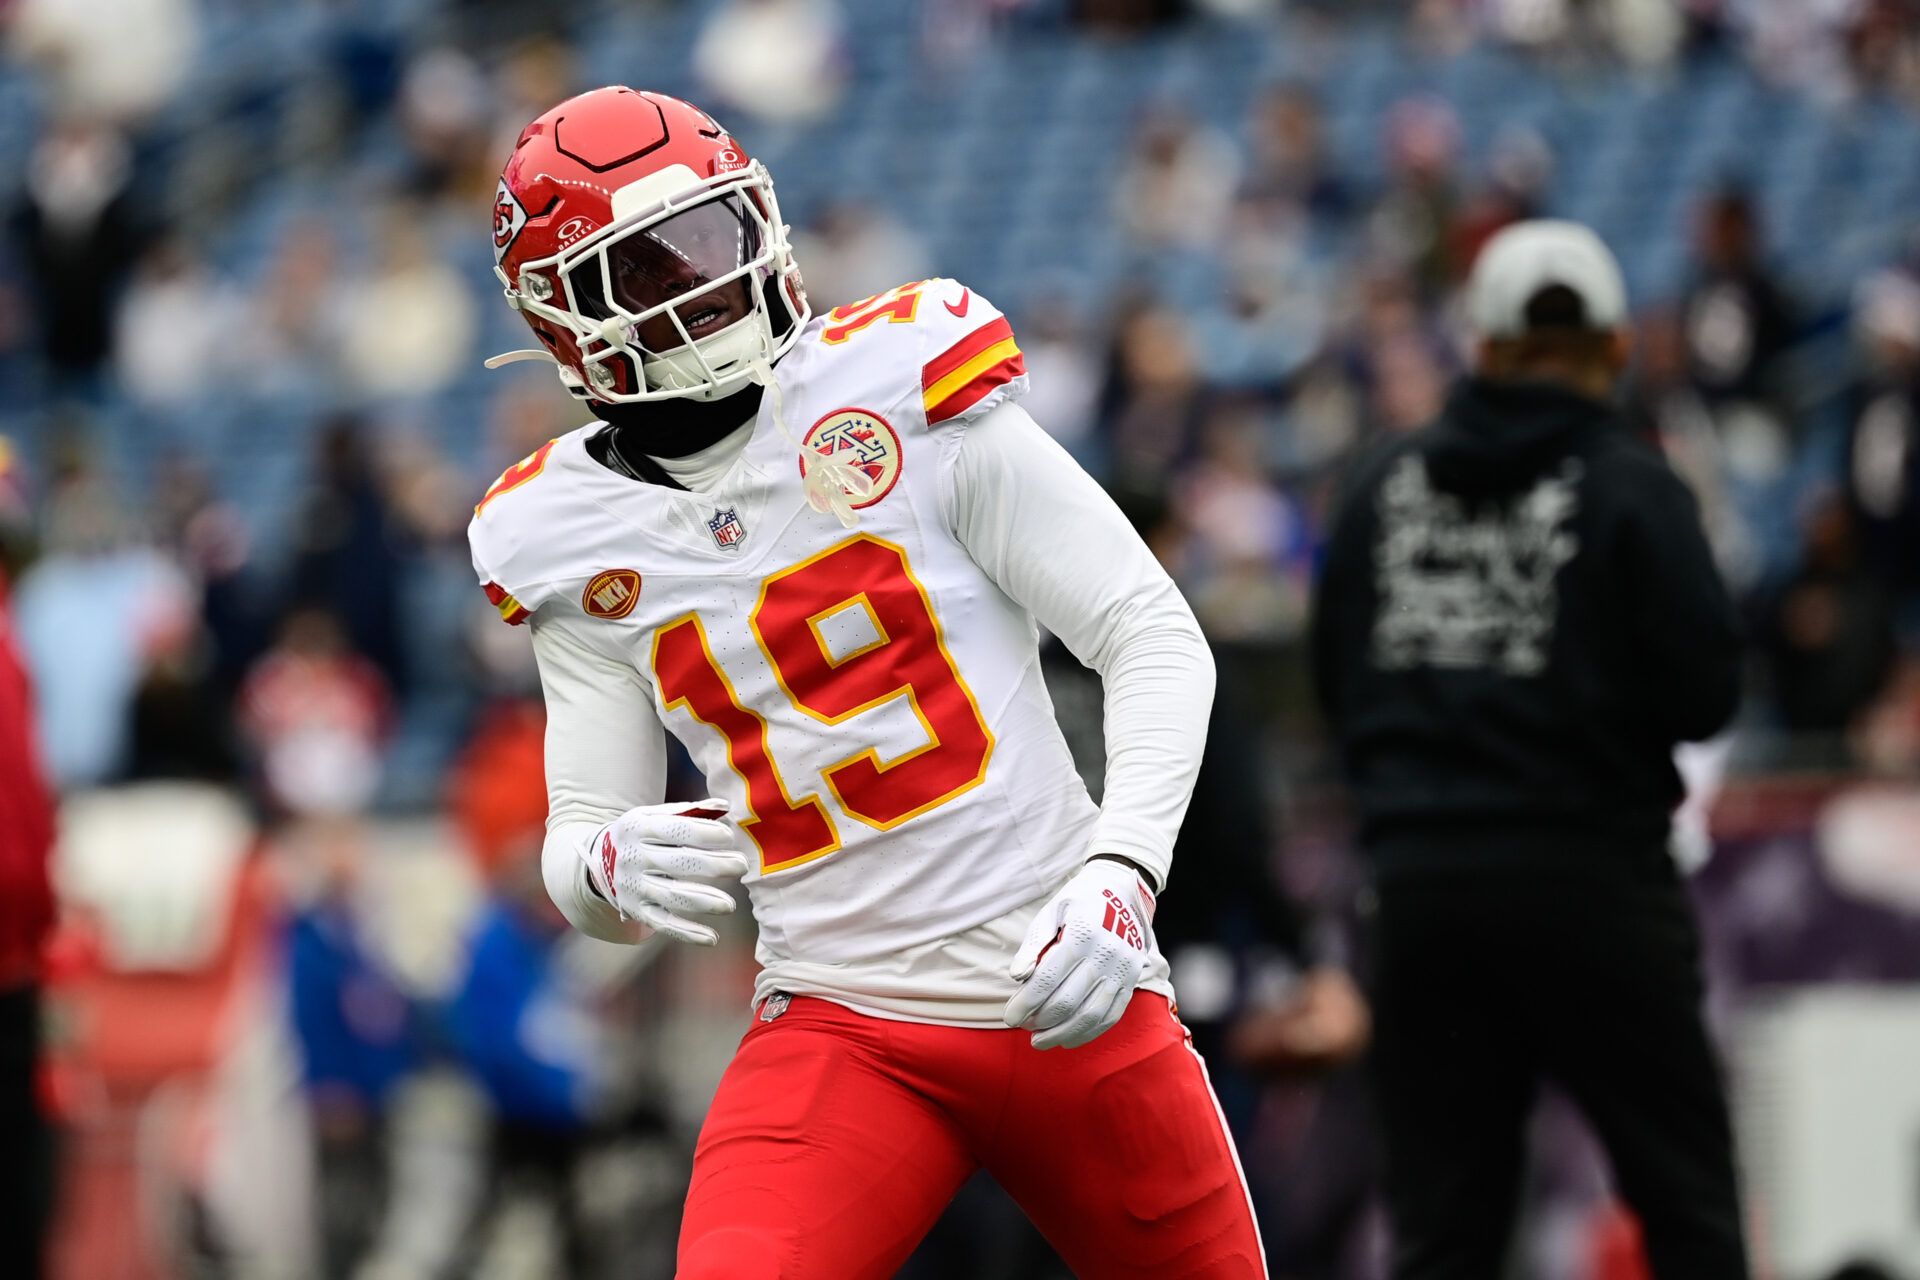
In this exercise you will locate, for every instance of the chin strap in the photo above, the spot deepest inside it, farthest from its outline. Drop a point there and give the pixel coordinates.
(515, 357)
(831, 485)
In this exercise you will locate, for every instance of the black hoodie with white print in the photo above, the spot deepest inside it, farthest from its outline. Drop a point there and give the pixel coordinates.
(1517, 620)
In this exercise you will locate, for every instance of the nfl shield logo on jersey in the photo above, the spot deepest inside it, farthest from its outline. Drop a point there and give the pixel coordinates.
(728, 533)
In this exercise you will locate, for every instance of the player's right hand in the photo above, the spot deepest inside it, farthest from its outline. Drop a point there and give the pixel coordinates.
(649, 862)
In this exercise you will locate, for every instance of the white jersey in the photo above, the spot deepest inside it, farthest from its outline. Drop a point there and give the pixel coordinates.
(868, 701)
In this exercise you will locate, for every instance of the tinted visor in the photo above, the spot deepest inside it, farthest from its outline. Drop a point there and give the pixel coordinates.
(671, 261)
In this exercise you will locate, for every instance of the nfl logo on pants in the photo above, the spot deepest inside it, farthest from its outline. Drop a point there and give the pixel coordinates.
(728, 533)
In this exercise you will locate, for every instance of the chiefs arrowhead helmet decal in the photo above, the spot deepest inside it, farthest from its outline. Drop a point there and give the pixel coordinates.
(509, 216)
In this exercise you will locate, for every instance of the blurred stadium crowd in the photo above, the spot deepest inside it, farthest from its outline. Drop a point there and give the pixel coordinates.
(244, 296)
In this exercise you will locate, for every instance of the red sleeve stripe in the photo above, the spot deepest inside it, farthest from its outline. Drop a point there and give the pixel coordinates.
(511, 610)
(996, 374)
(955, 357)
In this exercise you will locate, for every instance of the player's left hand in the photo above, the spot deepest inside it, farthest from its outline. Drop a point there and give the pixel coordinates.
(1084, 953)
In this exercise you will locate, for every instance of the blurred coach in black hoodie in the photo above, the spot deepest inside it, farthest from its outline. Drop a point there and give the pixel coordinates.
(1517, 621)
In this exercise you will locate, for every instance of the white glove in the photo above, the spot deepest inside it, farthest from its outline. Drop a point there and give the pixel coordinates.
(645, 862)
(1083, 955)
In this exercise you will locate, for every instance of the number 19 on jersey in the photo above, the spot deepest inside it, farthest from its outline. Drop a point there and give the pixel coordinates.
(908, 659)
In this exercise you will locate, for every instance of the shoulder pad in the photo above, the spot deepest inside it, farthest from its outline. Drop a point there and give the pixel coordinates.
(970, 359)
(956, 345)
(498, 538)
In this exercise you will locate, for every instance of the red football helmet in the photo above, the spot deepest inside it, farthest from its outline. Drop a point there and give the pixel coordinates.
(645, 249)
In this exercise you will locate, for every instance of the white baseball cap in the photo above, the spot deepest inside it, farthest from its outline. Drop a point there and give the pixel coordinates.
(1527, 257)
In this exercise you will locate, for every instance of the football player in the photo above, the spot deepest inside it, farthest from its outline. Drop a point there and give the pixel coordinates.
(816, 549)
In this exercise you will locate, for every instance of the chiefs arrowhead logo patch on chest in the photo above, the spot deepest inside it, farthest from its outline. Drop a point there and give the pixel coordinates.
(611, 594)
(860, 438)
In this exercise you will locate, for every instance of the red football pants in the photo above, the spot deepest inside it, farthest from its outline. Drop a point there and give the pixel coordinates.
(836, 1139)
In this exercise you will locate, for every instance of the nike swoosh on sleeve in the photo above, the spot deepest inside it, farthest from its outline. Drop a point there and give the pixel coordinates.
(959, 308)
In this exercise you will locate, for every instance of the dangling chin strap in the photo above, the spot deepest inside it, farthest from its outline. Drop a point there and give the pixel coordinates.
(514, 357)
(831, 485)
(568, 378)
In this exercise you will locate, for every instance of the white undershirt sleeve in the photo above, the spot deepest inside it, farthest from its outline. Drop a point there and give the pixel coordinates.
(1053, 540)
(606, 753)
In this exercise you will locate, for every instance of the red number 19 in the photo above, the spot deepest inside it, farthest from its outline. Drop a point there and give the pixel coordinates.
(909, 659)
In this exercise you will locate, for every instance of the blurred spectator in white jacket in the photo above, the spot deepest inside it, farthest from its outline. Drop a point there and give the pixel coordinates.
(174, 335)
(780, 61)
(111, 59)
